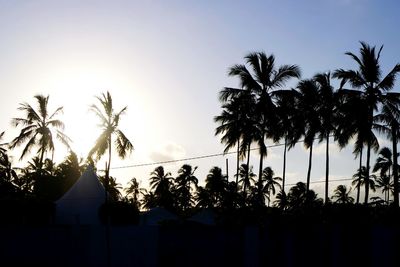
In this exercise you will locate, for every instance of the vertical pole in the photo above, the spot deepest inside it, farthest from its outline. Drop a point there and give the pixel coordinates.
(227, 173)
(106, 202)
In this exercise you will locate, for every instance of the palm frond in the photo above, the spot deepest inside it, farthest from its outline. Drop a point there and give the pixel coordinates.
(123, 145)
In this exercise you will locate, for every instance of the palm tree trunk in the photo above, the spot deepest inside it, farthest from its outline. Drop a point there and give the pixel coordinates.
(358, 185)
(41, 159)
(327, 169)
(247, 172)
(237, 162)
(284, 165)
(108, 167)
(260, 169)
(395, 171)
(367, 174)
(309, 168)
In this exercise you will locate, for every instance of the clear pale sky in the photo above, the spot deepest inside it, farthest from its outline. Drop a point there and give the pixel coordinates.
(167, 61)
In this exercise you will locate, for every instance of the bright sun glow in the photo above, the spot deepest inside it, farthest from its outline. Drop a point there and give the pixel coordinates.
(78, 87)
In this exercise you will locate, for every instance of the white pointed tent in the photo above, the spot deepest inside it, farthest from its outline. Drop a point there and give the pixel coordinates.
(80, 205)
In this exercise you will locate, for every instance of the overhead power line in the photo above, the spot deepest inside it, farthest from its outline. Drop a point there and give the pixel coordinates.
(194, 158)
(186, 159)
(331, 180)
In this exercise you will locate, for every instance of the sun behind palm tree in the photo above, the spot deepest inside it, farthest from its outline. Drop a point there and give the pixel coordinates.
(109, 122)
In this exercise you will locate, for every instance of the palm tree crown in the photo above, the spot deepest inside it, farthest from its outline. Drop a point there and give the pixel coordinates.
(39, 126)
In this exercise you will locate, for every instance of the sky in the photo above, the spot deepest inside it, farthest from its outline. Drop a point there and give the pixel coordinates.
(167, 60)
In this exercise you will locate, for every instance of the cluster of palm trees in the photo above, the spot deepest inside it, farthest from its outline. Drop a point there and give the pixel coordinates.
(183, 193)
(263, 108)
(40, 128)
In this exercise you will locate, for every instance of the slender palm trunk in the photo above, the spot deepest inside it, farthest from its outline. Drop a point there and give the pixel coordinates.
(259, 189)
(247, 172)
(108, 168)
(237, 162)
(309, 168)
(41, 159)
(388, 189)
(284, 165)
(358, 184)
(395, 171)
(367, 173)
(327, 170)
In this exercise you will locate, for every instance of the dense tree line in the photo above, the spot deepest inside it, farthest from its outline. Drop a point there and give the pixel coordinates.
(261, 109)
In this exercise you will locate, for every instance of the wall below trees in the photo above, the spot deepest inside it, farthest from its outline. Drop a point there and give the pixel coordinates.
(274, 245)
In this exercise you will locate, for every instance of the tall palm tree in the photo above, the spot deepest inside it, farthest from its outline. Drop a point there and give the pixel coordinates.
(109, 122)
(261, 81)
(39, 126)
(307, 103)
(270, 182)
(360, 178)
(388, 122)
(368, 77)
(342, 195)
(236, 122)
(327, 107)
(289, 123)
(352, 123)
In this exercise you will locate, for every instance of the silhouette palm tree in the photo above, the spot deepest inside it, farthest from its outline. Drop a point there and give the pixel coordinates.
(385, 183)
(368, 77)
(2, 145)
(389, 123)
(149, 199)
(307, 101)
(342, 195)
(236, 121)
(113, 188)
(7, 172)
(133, 190)
(109, 122)
(289, 123)
(246, 178)
(297, 195)
(360, 179)
(281, 200)
(204, 198)
(384, 162)
(261, 81)
(270, 182)
(352, 123)
(216, 184)
(327, 107)
(162, 184)
(184, 182)
(38, 128)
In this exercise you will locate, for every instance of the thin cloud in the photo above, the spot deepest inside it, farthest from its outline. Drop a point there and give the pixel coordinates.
(170, 151)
